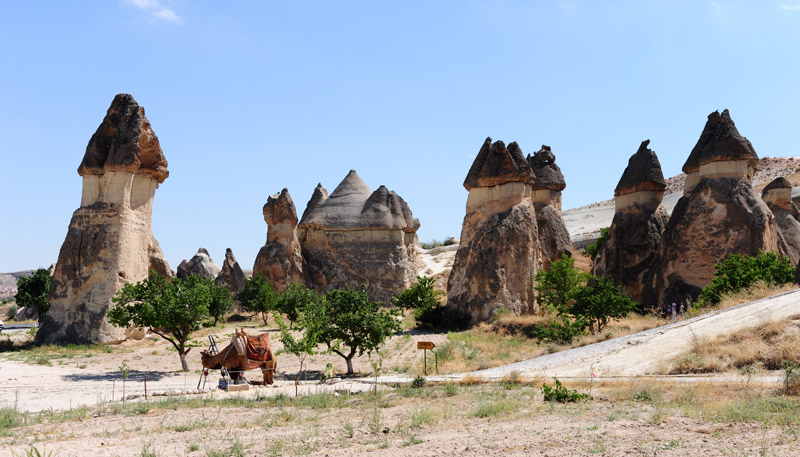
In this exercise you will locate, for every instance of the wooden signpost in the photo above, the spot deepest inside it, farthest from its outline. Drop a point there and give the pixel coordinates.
(425, 345)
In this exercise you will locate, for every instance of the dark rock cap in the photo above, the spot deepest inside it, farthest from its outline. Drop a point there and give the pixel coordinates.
(125, 142)
(778, 183)
(280, 209)
(720, 140)
(642, 173)
(353, 206)
(547, 174)
(497, 165)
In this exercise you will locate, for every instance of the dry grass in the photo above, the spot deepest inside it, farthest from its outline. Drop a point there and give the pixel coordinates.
(757, 290)
(763, 347)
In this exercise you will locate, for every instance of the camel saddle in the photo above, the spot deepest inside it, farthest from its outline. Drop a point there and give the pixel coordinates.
(255, 349)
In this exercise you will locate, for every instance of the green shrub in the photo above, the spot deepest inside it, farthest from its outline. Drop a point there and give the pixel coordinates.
(32, 291)
(428, 310)
(739, 271)
(593, 249)
(560, 332)
(11, 312)
(601, 301)
(418, 382)
(561, 394)
(556, 286)
(257, 296)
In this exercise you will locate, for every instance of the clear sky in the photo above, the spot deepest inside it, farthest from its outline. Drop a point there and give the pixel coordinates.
(249, 97)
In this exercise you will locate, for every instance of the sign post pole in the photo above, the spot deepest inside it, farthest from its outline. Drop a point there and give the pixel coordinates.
(425, 345)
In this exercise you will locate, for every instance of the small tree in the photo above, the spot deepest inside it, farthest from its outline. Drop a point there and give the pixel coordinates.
(309, 316)
(555, 287)
(593, 249)
(601, 301)
(257, 296)
(354, 324)
(221, 302)
(32, 291)
(170, 309)
(424, 300)
(294, 299)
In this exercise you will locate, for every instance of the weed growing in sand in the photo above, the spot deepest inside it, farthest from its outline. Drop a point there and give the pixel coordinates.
(33, 451)
(561, 394)
(147, 450)
(489, 408)
(422, 416)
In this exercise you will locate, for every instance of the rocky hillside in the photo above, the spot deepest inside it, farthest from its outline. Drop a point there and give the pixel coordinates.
(8, 282)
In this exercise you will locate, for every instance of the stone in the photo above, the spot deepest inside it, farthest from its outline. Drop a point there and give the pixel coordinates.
(778, 197)
(201, 264)
(26, 314)
(231, 274)
(631, 249)
(280, 260)
(109, 241)
(356, 237)
(719, 215)
(554, 239)
(499, 250)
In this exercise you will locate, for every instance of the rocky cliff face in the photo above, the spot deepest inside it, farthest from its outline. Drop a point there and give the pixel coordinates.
(778, 197)
(554, 240)
(499, 250)
(356, 237)
(719, 215)
(631, 250)
(109, 241)
(280, 260)
(201, 264)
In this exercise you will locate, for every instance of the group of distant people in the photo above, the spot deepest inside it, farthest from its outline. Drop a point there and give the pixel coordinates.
(672, 311)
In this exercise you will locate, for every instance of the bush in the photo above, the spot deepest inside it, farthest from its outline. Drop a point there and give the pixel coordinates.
(560, 332)
(593, 249)
(739, 272)
(11, 312)
(555, 287)
(257, 296)
(561, 394)
(418, 382)
(428, 309)
(32, 291)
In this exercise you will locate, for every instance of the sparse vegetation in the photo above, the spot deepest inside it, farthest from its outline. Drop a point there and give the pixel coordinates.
(257, 296)
(593, 249)
(428, 310)
(561, 394)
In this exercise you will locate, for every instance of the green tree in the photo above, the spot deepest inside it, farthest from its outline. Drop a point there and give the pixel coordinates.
(294, 299)
(257, 296)
(309, 310)
(221, 302)
(599, 302)
(32, 291)
(429, 312)
(740, 271)
(354, 324)
(170, 309)
(555, 287)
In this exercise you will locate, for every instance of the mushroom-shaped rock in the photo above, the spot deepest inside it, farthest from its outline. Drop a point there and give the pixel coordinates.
(109, 241)
(721, 151)
(719, 215)
(497, 164)
(499, 250)
(384, 209)
(200, 264)
(631, 249)
(342, 209)
(280, 260)
(778, 197)
(231, 275)
(545, 171)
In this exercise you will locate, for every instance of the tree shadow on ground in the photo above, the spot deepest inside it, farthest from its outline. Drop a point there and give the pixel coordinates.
(135, 375)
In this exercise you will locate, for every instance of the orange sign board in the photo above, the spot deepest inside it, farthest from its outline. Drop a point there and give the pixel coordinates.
(425, 345)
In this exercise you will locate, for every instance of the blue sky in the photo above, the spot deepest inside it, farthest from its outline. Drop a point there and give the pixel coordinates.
(250, 97)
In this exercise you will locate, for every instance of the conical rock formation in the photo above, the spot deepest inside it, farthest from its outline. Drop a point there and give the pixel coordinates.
(109, 241)
(231, 274)
(201, 264)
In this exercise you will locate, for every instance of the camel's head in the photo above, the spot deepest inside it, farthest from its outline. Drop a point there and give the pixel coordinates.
(208, 360)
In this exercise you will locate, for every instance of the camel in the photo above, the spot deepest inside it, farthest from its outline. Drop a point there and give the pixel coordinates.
(243, 353)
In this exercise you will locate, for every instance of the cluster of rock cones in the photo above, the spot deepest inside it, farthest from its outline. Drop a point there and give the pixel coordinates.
(358, 237)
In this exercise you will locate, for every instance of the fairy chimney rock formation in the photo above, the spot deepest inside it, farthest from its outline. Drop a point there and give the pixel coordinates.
(721, 152)
(109, 241)
(778, 197)
(280, 260)
(720, 214)
(499, 249)
(631, 249)
(356, 237)
(231, 274)
(548, 183)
